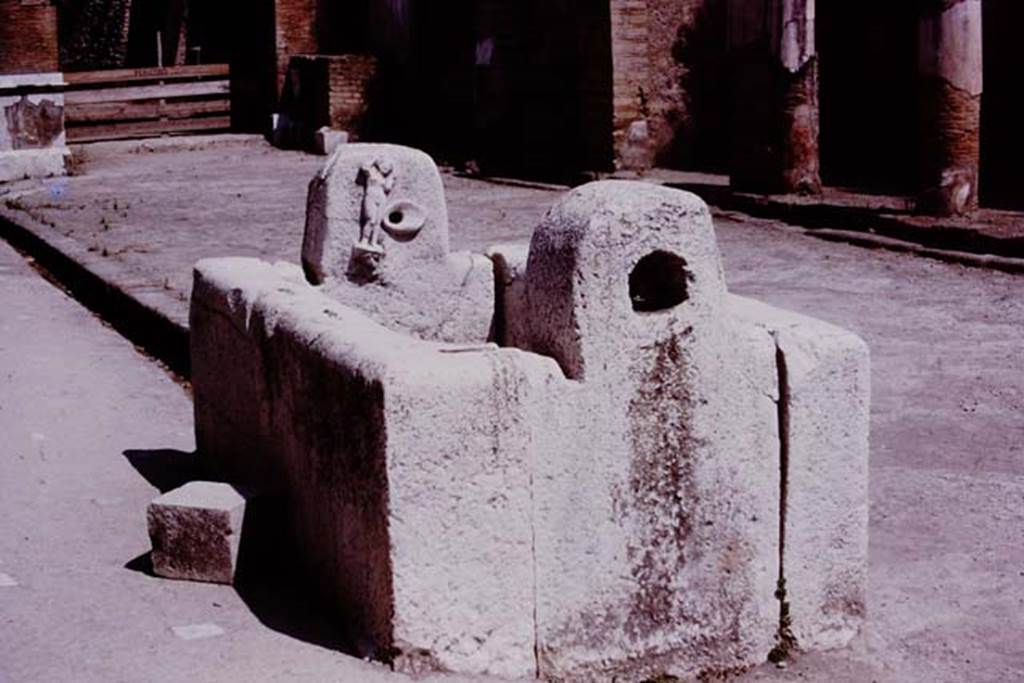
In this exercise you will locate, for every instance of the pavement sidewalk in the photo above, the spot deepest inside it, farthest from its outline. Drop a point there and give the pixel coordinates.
(991, 238)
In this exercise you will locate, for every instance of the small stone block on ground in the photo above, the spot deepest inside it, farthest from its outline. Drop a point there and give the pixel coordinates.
(196, 530)
(326, 140)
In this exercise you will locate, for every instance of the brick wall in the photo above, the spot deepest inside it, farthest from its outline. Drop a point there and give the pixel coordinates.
(350, 77)
(28, 36)
(327, 90)
(669, 63)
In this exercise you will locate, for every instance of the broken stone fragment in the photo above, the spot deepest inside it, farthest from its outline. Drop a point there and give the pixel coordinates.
(195, 531)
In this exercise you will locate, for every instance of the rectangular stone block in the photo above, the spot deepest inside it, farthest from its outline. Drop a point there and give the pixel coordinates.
(196, 531)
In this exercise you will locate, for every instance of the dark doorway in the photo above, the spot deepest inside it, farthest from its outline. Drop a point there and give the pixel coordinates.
(343, 27)
(868, 90)
(566, 94)
(519, 87)
(444, 44)
(250, 44)
(1002, 108)
(703, 135)
(422, 94)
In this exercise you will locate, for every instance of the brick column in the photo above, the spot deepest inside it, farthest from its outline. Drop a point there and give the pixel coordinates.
(294, 33)
(775, 81)
(950, 65)
(32, 141)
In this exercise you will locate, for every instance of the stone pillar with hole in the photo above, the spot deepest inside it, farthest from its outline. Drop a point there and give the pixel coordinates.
(950, 66)
(32, 141)
(775, 107)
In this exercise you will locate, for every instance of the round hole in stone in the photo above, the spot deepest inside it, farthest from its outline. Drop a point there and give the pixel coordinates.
(658, 282)
(404, 220)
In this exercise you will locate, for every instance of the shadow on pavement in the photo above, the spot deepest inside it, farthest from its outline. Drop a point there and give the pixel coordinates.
(270, 581)
(165, 468)
(142, 564)
(269, 576)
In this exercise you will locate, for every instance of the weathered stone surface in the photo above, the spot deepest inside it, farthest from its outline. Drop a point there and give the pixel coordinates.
(450, 299)
(825, 376)
(510, 292)
(31, 163)
(196, 531)
(636, 151)
(655, 466)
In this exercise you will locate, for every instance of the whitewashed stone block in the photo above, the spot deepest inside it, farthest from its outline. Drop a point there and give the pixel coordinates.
(406, 462)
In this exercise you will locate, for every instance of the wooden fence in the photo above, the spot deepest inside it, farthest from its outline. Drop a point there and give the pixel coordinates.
(140, 103)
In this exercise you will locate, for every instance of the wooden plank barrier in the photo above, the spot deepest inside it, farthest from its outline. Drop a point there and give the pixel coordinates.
(137, 103)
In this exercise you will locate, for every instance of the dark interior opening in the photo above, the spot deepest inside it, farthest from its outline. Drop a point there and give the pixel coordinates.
(868, 95)
(1002, 107)
(658, 282)
(702, 135)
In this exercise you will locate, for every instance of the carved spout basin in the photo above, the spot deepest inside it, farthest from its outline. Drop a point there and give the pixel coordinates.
(403, 220)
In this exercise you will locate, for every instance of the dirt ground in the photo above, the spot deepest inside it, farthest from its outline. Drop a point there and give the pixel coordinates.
(946, 597)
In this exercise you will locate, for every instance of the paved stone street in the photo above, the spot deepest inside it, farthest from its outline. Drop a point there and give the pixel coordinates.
(946, 597)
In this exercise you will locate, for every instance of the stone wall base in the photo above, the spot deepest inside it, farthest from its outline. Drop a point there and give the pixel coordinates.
(32, 163)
